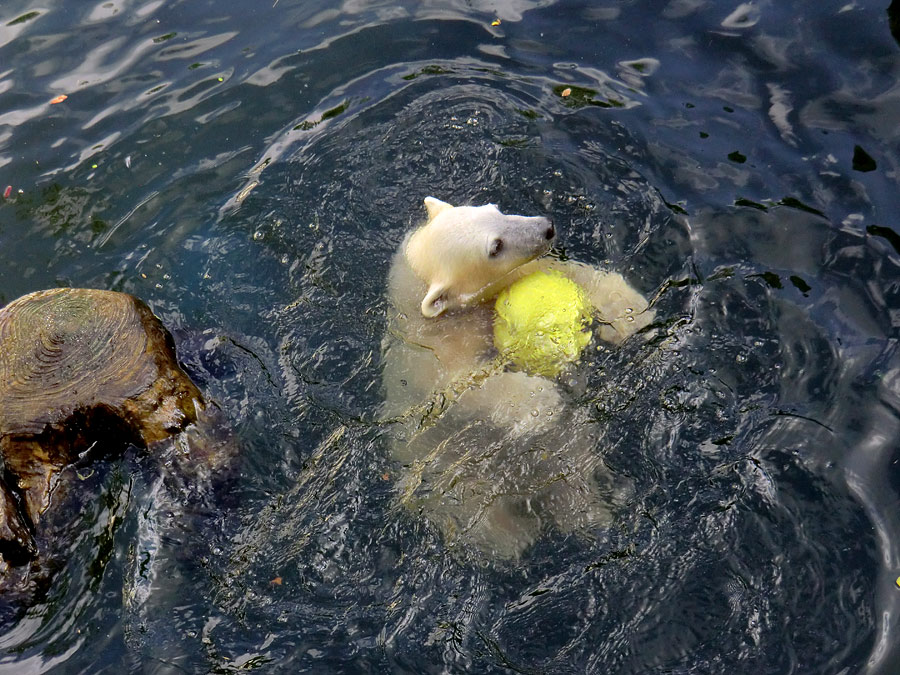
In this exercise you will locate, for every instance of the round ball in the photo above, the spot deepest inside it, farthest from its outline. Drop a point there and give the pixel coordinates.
(542, 323)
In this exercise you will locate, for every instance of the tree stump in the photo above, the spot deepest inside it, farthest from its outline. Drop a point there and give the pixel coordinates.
(79, 369)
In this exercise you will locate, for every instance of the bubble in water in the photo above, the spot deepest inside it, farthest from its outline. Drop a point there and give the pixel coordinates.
(258, 235)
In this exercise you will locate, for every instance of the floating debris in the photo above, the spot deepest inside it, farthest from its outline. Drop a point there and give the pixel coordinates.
(58, 99)
(578, 97)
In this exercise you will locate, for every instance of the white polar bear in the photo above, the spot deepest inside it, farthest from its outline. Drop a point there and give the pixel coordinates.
(489, 454)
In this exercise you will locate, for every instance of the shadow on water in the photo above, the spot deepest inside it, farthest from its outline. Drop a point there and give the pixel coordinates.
(707, 155)
(893, 12)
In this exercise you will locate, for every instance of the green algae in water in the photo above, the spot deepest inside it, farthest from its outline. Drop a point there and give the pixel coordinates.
(795, 203)
(579, 97)
(24, 18)
(772, 280)
(60, 210)
(428, 70)
(800, 284)
(741, 201)
(327, 115)
(335, 111)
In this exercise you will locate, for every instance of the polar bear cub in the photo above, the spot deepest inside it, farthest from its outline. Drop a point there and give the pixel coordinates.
(489, 454)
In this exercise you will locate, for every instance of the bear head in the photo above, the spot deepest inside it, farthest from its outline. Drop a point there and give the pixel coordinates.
(461, 251)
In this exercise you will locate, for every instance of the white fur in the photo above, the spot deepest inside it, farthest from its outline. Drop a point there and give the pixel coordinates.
(472, 436)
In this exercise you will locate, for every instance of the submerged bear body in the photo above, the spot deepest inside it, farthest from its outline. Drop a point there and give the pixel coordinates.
(489, 454)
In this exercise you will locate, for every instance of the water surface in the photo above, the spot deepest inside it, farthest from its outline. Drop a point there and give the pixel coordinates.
(248, 171)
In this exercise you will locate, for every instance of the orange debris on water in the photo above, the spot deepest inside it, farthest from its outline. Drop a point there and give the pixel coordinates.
(566, 92)
(58, 99)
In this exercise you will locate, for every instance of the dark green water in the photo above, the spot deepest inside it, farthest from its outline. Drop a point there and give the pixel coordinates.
(248, 171)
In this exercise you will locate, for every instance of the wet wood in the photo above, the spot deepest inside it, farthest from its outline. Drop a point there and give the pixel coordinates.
(79, 369)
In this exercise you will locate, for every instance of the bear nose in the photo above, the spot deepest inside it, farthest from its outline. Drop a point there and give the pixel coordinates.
(550, 232)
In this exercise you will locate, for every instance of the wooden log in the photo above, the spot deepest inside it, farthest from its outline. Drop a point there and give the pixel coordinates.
(78, 368)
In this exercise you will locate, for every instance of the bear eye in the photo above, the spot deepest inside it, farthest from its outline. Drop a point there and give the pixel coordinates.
(496, 247)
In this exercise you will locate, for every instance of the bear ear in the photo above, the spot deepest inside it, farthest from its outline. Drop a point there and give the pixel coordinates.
(435, 301)
(435, 206)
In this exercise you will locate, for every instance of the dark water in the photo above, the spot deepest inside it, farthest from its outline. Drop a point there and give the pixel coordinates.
(248, 169)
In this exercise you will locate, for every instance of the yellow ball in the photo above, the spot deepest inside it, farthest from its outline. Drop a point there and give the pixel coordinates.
(542, 323)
